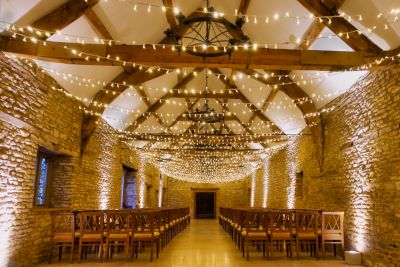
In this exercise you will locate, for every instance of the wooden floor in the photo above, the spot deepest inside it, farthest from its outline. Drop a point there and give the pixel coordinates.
(205, 244)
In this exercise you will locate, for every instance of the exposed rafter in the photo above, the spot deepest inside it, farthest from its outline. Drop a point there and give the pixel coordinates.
(271, 59)
(169, 13)
(132, 77)
(243, 6)
(155, 106)
(181, 117)
(339, 25)
(244, 99)
(140, 89)
(317, 26)
(97, 25)
(295, 92)
(267, 101)
(63, 15)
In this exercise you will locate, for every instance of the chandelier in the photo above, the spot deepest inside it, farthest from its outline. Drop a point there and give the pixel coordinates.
(208, 34)
(206, 114)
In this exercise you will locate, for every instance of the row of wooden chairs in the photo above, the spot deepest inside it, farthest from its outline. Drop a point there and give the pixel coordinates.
(103, 230)
(290, 229)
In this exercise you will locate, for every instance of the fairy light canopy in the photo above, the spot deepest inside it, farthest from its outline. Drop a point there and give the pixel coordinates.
(112, 55)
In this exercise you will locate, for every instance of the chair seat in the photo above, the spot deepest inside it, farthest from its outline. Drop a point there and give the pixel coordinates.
(145, 235)
(118, 236)
(280, 236)
(331, 236)
(305, 235)
(254, 234)
(90, 237)
(63, 237)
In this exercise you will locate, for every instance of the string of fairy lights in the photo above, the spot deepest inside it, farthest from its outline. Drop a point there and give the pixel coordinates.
(117, 60)
(207, 166)
(34, 35)
(147, 7)
(387, 18)
(255, 125)
(180, 163)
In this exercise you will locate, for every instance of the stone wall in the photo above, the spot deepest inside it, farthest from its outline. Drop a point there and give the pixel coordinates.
(179, 193)
(33, 115)
(360, 174)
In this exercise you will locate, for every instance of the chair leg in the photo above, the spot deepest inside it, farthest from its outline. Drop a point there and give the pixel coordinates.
(297, 247)
(72, 251)
(80, 250)
(323, 249)
(59, 253)
(342, 246)
(247, 250)
(263, 245)
(272, 247)
(158, 246)
(51, 252)
(316, 248)
(101, 251)
(151, 251)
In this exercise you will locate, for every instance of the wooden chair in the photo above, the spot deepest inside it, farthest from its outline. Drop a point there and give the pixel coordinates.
(91, 231)
(255, 231)
(332, 231)
(281, 229)
(143, 230)
(165, 226)
(62, 233)
(307, 230)
(118, 228)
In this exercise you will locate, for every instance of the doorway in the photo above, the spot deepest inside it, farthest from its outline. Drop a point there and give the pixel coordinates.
(128, 188)
(204, 205)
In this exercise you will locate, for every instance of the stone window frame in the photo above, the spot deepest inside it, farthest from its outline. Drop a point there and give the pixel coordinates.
(41, 154)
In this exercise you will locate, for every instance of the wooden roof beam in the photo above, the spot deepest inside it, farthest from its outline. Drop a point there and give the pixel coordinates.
(155, 106)
(243, 6)
(64, 15)
(96, 24)
(339, 25)
(252, 107)
(271, 59)
(295, 92)
(169, 13)
(128, 76)
(317, 27)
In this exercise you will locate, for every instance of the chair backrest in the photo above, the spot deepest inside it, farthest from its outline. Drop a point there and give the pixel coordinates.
(157, 220)
(164, 217)
(280, 222)
(256, 222)
(143, 221)
(332, 223)
(63, 222)
(307, 222)
(91, 222)
(118, 222)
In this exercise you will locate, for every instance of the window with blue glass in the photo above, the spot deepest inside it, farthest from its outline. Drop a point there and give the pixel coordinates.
(42, 179)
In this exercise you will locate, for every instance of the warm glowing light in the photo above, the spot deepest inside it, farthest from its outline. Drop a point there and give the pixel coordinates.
(141, 182)
(160, 191)
(253, 187)
(360, 200)
(291, 166)
(266, 182)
